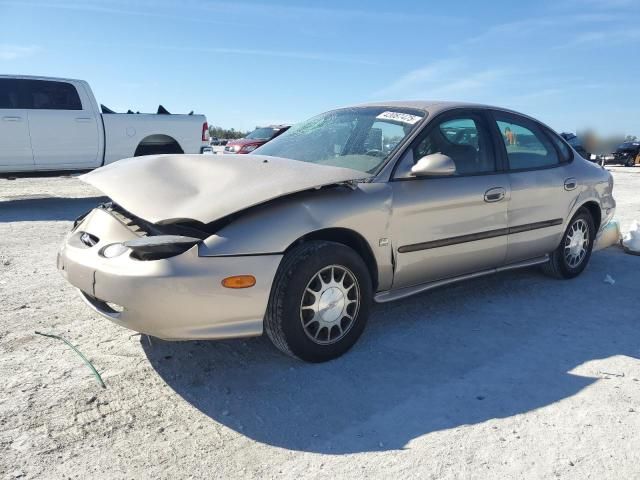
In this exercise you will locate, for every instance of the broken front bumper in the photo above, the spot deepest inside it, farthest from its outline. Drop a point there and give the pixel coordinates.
(174, 298)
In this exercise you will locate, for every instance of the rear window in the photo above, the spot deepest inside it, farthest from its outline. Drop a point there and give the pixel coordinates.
(562, 147)
(526, 145)
(49, 95)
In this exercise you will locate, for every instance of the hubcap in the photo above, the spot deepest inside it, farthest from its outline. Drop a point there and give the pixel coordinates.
(330, 304)
(576, 243)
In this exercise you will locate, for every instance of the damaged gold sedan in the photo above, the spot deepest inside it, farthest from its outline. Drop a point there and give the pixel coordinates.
(367, 203)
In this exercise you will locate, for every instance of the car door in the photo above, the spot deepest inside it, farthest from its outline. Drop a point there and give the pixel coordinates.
(64, 130)
(444, 227)
(542, 187)
(15, 150)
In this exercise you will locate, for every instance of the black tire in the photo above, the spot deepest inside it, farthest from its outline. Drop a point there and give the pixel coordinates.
(160, 149)
(631, 162)
(284, 317)
(558, 265)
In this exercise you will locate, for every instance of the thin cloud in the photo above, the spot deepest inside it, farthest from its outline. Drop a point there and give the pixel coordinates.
(315, 12)
(124, 10)
(615, 37)
(537, 95)
(534, 26)
(446, 79)
(418, 78)
(600, 4)
(241, 10)
(316, 56)
(14, 52)
(330, 57)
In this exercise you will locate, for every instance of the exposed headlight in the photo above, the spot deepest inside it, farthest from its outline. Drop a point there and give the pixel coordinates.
(159, 246)
(113, 250)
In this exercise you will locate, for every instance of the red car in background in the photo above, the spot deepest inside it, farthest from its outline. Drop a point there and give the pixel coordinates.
(255, 139)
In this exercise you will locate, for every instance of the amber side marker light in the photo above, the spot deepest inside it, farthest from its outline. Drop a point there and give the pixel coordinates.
(239, 281)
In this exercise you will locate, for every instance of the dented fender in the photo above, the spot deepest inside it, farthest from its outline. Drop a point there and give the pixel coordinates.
(275, 226)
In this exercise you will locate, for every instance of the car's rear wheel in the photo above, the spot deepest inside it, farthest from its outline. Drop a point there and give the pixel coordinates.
(573, 254)
(631, 162)
(319, 302)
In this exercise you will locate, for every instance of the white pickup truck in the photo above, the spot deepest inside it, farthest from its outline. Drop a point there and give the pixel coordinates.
(56, 124)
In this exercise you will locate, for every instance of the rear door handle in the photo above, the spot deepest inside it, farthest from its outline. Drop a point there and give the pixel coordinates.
(12, 119)
(570, 184)
(494, 194)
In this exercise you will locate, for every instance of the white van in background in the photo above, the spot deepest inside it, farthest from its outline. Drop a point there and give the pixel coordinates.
(56, 124)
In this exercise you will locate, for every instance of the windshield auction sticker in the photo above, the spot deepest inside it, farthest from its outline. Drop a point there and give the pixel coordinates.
(399, 117)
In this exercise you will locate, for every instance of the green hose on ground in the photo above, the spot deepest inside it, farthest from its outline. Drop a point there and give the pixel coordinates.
(87, 362)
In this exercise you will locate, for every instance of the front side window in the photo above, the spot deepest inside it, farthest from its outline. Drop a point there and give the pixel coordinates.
(465, 140)
(527, 146)
(48, 95)
(360, 138)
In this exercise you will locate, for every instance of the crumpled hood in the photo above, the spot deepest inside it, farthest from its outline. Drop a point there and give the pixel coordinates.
(168, 188)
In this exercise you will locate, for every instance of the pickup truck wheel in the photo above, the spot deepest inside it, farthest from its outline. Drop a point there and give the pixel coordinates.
(319, 301)
(157, 149)
(573, 253)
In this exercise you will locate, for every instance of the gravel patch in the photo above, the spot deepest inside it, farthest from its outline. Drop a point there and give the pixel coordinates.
(510, 376)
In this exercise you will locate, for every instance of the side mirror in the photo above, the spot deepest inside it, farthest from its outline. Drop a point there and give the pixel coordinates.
(434, 165)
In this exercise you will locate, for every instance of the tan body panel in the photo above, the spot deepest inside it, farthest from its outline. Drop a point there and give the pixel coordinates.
(175, 298)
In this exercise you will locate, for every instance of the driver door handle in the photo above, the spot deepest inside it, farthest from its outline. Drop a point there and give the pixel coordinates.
(494, 194)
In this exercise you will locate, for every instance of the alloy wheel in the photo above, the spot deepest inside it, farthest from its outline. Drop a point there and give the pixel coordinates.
(576, 243)
(330, 304)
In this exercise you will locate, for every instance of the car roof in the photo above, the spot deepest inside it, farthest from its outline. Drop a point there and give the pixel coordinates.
(432, 106)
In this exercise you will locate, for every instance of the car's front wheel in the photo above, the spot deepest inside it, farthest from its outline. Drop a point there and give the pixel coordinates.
(319, 301)
(573, 253)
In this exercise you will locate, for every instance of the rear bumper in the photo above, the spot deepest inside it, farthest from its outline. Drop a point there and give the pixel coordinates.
(178, 298)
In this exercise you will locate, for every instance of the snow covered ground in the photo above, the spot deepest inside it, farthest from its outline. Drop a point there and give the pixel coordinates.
(511, 376)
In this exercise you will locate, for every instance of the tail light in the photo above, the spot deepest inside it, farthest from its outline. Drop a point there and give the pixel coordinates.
(205, 132)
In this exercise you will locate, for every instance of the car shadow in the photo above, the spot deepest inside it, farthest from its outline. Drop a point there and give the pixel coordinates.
(46, 208)
(485, 349)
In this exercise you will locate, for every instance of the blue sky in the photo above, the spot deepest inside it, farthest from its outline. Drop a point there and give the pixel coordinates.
(571, 63)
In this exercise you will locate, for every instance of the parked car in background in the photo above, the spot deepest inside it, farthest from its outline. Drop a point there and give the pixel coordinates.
(216, 146)
(373, 202)
(577, 144)
(56, 124)
(255, 139)
(627, 153)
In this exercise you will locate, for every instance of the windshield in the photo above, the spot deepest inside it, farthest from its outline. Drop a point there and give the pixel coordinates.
(262, 133)
(358, 138)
